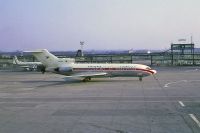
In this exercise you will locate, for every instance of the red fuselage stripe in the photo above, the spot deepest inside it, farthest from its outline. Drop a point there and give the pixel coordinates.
(113, 69)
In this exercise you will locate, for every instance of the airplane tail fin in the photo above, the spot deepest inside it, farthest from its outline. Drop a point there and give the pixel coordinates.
(15, 60)
(47, 59)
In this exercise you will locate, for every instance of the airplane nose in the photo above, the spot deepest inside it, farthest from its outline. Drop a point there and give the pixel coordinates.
(154, 71)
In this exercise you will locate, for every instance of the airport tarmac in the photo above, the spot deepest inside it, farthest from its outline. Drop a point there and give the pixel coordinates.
(31, 102)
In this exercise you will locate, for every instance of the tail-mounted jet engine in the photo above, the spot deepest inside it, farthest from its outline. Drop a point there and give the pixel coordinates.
(63, 69)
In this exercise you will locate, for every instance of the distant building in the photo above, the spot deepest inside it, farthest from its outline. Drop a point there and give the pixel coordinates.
(79, 53)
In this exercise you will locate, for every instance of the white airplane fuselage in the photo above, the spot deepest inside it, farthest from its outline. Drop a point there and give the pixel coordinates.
(90, 70)
(112, 70)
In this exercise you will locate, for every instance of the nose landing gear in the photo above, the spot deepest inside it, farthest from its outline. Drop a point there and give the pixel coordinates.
(140, 75)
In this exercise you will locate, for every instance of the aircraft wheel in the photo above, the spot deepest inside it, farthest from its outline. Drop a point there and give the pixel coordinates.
(86, 79)
(42, 69)
(140, 78)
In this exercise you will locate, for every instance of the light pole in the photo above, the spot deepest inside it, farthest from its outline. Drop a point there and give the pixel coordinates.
(81, 43)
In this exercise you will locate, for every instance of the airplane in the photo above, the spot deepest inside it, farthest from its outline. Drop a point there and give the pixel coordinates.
(71, 69)
(26, 65)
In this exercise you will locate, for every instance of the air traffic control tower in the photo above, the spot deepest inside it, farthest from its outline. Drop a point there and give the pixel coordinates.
(182, 53)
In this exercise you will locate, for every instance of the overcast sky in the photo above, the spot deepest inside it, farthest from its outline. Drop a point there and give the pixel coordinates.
(102, 24)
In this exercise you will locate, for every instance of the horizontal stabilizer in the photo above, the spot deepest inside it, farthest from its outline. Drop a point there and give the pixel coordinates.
(46, 58)
(36, 51)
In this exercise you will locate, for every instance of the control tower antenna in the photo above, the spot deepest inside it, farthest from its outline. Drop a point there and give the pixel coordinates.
(191, 39)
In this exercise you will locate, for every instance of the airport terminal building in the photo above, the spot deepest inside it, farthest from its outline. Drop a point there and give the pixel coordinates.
(177, 55)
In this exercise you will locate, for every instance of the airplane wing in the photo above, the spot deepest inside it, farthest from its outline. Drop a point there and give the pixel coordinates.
(87, 74)
(25, 66)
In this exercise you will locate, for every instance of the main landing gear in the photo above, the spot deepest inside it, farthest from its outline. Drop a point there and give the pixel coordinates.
(86, 79)
(140, 78)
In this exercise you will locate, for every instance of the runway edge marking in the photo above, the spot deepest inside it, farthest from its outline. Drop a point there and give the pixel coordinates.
(167, 84)
(195, 119)
(181, 103)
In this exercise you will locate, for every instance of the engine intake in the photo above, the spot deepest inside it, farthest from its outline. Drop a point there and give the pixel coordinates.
(63, 69)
